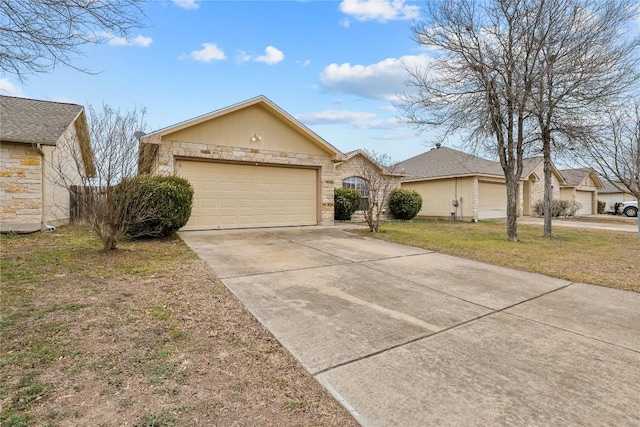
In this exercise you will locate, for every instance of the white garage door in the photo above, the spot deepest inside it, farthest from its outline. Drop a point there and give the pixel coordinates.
(584, 198)
(492, 200)
(243, 196)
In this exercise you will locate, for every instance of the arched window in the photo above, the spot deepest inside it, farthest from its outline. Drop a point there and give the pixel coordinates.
(361, 185)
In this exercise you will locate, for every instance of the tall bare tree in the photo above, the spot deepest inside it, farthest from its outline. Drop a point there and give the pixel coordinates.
(614, 152)
(521, 76)
(480, 80)
(587, 62)
(38, 35)
(106, 198)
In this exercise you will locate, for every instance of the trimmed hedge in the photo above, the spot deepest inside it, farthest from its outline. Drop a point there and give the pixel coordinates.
(345, 202)
(602, 207)
(405, 204)
(159, 205)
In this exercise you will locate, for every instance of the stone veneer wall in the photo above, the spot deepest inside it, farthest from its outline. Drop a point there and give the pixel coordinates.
(536, 188)
(169, 150)
(20, 187)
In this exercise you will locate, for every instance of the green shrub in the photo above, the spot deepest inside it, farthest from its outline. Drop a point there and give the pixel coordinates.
(602, 207)
(345, 202)
(157, 205)
(405, 204)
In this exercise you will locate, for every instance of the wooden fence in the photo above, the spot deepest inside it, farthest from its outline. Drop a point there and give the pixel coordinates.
(82, 202)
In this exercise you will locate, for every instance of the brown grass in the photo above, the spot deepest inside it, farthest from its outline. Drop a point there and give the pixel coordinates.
(604, 258)
(144, 336)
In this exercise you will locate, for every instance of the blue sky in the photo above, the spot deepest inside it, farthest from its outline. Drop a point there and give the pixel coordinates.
(336, 66)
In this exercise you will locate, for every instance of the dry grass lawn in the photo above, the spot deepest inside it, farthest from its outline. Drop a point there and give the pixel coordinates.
(598, 257)
(142, 336)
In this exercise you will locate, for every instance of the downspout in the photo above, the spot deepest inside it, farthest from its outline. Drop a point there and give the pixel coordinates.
(43, 226)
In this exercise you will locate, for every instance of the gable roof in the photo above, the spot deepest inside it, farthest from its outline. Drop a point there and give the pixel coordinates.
(155, 137)
(34, 121)
(530, 164)
(385, 171)
(574, 177)
(609, 188)
(446, 162)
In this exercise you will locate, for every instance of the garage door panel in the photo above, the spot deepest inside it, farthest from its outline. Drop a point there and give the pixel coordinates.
(584, 198)
(492, 200)
(243, 196)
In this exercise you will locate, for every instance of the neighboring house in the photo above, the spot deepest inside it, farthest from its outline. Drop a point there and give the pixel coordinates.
(468, 187)
(611, 195)
(532, 184)
(581, 185)
(349, 174)
(251, 165)
(36, 138)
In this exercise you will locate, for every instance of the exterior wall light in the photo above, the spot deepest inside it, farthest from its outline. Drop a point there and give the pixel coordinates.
(255, 137)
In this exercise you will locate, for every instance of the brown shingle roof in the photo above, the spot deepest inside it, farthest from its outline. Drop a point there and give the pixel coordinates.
(34, 121)
(444, 161)
(610, 188)
(574, 177)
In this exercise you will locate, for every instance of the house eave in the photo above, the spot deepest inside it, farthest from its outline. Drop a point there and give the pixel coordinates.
(156, 137)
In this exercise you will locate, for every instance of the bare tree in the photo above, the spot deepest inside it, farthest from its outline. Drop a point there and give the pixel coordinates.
(381, 177)
(480, 80)
(107, 198)
(614, 152)
(524, 74)
(37, 35)
(586, 63)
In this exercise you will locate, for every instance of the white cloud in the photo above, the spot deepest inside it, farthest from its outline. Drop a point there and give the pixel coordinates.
(335, 117)
(357, 119)
(272, 56)
(208, 53)
(383, 80)
(378, 10)
(304, 63)
(9, 89)
(139, 41)
(187, 4)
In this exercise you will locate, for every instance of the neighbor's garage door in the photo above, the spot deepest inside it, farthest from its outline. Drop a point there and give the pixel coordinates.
(584, 198)
(242, 196)
(492, 200)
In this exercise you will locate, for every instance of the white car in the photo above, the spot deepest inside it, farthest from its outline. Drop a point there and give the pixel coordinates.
(628, 208)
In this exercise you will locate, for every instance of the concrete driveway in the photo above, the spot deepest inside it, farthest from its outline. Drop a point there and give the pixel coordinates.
(408, 337)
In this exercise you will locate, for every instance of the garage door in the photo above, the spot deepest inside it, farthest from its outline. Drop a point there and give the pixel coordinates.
(492, 200)
(584, 198)
(243, 196)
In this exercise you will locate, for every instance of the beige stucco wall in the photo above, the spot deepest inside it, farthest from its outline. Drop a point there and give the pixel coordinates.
(437, 197)
(20, 187)
(235, 129)
(228, 138)
(61, 171)
(353, 167)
